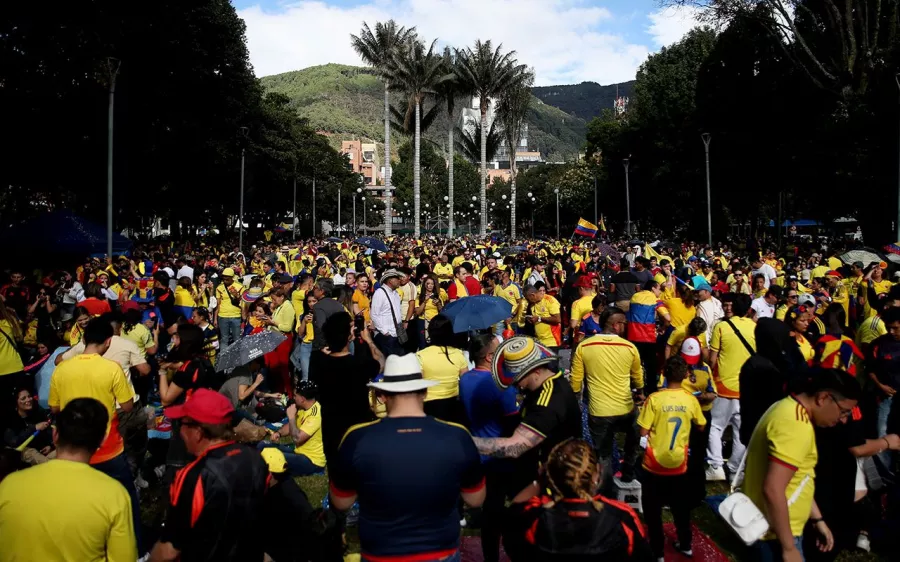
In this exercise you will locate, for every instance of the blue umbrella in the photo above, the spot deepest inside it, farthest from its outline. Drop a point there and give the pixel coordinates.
(476, 312)
(373, 243)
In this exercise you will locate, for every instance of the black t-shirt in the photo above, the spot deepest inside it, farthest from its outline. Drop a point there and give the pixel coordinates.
(551, 411)
(288, 514)
(625, 283)
(642, 276)
(343, 393)
(215, 506)
(836, 467)
(408, 474)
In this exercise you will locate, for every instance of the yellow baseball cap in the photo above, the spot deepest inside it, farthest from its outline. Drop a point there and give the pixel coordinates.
(275, 459)
(227, 272)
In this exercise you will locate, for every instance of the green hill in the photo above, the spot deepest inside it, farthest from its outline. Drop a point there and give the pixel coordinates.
(349, 101)
(584, 100)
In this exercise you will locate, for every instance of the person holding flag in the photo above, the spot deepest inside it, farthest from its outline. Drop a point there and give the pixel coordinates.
(586, 228)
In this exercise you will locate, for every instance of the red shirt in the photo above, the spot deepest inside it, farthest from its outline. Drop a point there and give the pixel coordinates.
(473, 286)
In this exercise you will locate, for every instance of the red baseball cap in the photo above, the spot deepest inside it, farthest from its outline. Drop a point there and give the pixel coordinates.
(129, 305)
(204, 406)
(583, 281)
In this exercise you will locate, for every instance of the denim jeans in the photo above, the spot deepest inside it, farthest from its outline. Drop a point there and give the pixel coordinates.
(770, 551)
(298, 465)
(117, 468)
(229, 331)
(305, 353)
(884, 410)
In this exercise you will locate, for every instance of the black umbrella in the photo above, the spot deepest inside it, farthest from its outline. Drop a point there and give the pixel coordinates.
(373, 243)
(247, 349)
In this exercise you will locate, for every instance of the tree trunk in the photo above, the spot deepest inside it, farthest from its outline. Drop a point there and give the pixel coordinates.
(417, 231)
(388, 214)
(512, 196)
(484, 131)
(450, 179)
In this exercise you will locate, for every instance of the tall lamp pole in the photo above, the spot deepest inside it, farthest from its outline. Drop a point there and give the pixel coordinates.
(241, 208)
(113, 65)
(625, 163)
(897, 79)
(339, 210)
(358, 191)
(706, 140)
(596, 216)
(530, 196)
(314, 203)
(556, 191)
(294, 218)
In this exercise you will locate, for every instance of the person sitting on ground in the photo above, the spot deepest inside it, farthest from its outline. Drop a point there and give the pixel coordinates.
(565, 518)
(307, 455)
(67, 493)
(29, 420)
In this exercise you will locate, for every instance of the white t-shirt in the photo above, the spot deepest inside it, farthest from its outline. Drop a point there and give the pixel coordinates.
(763, 308)
(767, 271)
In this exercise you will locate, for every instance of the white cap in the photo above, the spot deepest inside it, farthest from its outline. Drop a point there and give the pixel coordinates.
(690, 350)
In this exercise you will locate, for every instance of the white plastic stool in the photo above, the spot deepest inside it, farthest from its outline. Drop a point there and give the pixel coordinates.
(625, 490)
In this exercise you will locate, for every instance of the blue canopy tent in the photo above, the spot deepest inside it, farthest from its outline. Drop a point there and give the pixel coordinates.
(61, 232)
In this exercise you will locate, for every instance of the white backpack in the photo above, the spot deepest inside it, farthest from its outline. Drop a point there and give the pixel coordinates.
(741, 514)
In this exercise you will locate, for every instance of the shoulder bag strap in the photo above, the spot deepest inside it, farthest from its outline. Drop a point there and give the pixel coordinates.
(740, 336)
(390, 305)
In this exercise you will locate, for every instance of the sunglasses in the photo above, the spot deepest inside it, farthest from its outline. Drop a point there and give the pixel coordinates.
(792, 296)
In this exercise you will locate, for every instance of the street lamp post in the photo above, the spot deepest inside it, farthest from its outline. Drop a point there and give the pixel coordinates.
(314, 203)
(339, 210)
(533, 202)
(113, 65)
(358, 190)
(556, 191)
(596, 217)
(706, 139)
(365, 222)
(241, 208)
(294, 217)
(627, 200)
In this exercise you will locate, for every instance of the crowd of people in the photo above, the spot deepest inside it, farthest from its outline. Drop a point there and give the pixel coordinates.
(112, 380)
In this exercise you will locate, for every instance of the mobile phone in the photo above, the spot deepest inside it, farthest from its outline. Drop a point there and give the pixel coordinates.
(360, 323)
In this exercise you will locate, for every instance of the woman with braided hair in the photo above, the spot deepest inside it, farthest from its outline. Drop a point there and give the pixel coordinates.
(574, 522)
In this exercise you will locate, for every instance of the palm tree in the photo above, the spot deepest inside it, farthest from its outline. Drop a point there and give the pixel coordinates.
(511, 111)
(377, 50)
(448, 91)
(470, 143)
(417, 72)
(487, 73)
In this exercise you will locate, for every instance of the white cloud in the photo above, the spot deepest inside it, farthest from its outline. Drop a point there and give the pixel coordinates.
(669, 25)
(562, 39)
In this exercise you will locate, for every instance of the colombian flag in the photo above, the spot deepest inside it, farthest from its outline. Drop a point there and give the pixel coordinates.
(586, 228)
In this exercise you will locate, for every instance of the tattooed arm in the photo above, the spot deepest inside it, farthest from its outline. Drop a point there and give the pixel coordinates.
(522, 440)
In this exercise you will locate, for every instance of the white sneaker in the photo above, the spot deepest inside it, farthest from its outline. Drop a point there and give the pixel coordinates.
(144, 558)
(140, 483)
(661, 559)
(462, 522)
(684, 551)
(715, 474)
(862, 543)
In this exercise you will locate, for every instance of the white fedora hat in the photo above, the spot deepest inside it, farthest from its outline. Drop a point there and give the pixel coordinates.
(402, 374)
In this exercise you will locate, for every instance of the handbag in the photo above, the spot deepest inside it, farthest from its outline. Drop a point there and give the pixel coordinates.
(742, 515)
(402, 336)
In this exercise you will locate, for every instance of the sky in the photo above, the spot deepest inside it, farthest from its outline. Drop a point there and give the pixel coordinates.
(564, 41)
